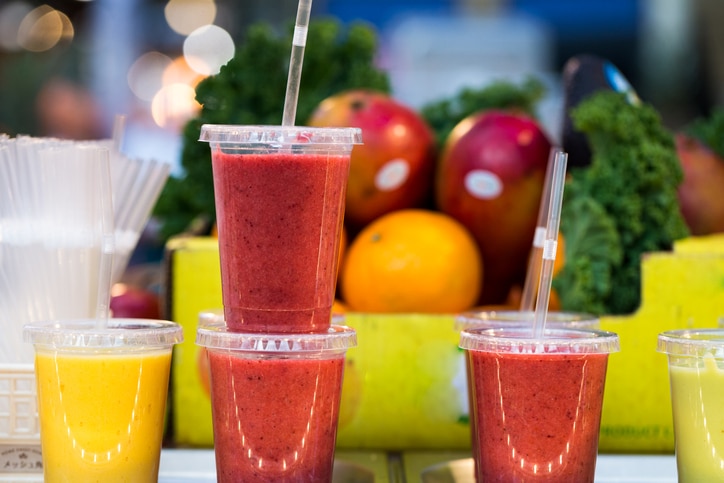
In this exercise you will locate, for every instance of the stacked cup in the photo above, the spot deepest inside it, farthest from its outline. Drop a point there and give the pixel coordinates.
(276, 358)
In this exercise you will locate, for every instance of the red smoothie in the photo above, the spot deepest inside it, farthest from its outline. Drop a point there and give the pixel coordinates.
(537, 415)
(275, 419)
(279, 220)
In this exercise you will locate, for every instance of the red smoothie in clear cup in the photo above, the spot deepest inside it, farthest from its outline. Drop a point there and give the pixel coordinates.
(513, 318)
(275, 420)
(280, 196)
(537, 411)
(275, 402)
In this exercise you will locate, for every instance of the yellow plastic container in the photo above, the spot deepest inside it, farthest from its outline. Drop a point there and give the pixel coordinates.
(404, 384)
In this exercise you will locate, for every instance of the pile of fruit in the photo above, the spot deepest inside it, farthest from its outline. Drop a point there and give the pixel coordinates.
(435, 228)
(442, 202)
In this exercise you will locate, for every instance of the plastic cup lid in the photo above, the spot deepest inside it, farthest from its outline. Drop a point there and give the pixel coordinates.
(692, 342)
(554, 341)
(213, 334)
(118, 333)
(281, 135)
(517, 318)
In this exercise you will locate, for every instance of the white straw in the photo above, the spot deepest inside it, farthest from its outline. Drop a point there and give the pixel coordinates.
(550, 243)
(299, 42)
(57, 234)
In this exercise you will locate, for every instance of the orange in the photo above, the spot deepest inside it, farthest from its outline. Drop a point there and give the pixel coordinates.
(412, 261)
(560, 254)
(338, 307)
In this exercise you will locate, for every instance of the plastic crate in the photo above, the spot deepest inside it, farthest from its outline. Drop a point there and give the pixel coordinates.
(19, 425)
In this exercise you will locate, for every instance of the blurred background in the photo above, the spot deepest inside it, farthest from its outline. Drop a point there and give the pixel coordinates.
(68, 67)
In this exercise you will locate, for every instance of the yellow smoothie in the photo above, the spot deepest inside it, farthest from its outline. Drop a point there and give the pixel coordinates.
(697, 396)
(102, 415)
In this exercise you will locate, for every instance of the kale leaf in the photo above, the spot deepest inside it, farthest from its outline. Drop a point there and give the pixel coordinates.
(633, 177)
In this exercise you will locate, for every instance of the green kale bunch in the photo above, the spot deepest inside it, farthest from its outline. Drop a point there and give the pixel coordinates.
(445, 114)
(250, 89)
(620, 207)
(709, 131)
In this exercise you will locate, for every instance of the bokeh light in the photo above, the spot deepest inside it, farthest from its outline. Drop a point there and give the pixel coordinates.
(185, 16)
(145, 77)
(208, 48)
(174, 105)
(43, 28)
(179, 72)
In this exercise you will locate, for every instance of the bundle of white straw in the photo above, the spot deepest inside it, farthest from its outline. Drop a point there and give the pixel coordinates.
(56, 235)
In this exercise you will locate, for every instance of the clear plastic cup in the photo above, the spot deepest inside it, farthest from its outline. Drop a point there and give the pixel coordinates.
(279, 193)
(102, 397)
(275, 401)
(537, 402)
(696, 373)
(517, 318)
(514, 318)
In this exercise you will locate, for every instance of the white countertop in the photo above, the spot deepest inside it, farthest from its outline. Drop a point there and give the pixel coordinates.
(185, 466)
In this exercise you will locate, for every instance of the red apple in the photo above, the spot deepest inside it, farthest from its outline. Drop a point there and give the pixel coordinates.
(490, 178)
(700, 193)
(393, 169)
(128, 301)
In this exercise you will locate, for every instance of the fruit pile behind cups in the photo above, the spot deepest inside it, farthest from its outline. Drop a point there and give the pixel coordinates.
(276, 356)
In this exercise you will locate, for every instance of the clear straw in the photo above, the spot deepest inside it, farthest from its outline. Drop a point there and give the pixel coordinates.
(108, 246)
(530, 287)
(119, 127)
(299, 41)
(550, 243)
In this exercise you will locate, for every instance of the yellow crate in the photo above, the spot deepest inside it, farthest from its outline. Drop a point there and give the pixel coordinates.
(405, 382)
(193, 284)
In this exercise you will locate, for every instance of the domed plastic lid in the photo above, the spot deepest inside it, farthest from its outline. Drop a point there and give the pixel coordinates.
(692, 342)
(280, 135)
(213, 334)
(117, 333)
(516, 318)
(554, 341)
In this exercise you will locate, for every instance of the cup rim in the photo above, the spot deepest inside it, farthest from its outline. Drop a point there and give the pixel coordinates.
(691, 342)
(118, 333)
(511, 317)
(280, 135)
(520, 340)
(213, 333)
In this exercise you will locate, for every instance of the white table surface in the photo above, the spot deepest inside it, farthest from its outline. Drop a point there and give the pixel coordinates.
(185, 466)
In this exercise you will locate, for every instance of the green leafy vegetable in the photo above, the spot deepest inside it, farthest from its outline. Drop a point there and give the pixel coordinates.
(444, 115)
(710, 131)
(250, 89)
(630, 186)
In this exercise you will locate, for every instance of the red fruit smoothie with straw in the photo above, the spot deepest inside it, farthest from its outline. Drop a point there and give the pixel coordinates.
(279, 219)
(538, 416)
(275, 419)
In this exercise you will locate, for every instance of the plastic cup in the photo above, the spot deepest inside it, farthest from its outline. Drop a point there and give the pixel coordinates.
(696, 373)
(275, 401)
(500, 319)
(279, 194)
(102, 397)
(537, 402)
(515, 318)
